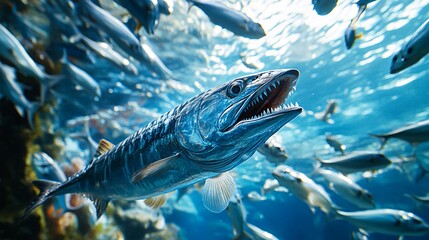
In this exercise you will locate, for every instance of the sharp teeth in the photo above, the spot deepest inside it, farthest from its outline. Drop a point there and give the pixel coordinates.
(296, 104)
(269, 88)
(265, 93)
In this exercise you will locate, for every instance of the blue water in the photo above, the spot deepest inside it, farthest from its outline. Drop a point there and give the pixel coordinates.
(202, 55)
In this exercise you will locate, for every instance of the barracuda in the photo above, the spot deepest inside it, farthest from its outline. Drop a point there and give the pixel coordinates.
(201, 139)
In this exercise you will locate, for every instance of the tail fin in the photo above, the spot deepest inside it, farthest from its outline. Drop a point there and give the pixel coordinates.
(49, 81)
(30, 113)
(383, 139)
(46, 191)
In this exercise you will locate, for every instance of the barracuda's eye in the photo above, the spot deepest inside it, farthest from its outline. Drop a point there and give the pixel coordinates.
(234, 89)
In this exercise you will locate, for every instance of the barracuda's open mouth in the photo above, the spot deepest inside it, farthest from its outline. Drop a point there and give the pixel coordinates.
(269, 100)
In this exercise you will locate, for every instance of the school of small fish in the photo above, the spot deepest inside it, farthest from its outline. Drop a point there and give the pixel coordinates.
(49, 56)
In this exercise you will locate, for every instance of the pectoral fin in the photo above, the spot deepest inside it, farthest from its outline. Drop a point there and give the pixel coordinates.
(157, 167)
(218, 191)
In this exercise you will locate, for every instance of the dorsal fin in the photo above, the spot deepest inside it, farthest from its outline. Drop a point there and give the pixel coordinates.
(103, 147)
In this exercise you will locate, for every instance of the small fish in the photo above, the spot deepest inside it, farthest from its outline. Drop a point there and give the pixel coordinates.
(421, 199)
(10, 89)
(414, 50)
(304, 188)
(241, 228)
(154, 63)
(255, 197)
(230, 19)
(387, 221)
(273, 152)
(114, 28)
(357, 162)
(165, 7)
(350, 34)
(181, 147)
(348, 189)
(46, 168)
(270, 185)
(360, 235)
(26, 28)
(145, 11)
(324, 7)
(80, 77)
(330, 109)
(335, 144)
(414, 134)
(106, 51)
(11, 49)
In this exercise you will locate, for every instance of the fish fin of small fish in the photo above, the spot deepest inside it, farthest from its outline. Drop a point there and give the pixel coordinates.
(154, 168)
(20, 110)
(157, 201)
(46, 187)
(330, 121)
(48, 83)
(103, 147)
(30, 113)
(218, 191)
(383, 139)
(100, 206)
(138, 26)
(359, 36)
(75, 38)
(9, 71)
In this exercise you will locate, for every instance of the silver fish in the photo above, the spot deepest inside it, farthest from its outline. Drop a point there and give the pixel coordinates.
(357, 162)
(241, 228)
(414, 50)
(10, 89)
(181, 147)
(80, 77)
(330, 109)
(104, 50)
(304, 188)
(11, 49)
(421, 199)
(145, 11)
(387, 221)
(230, 19)
(414, 134)
(114, 28)
(335, 144)
(347, 189)
(273, 152)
